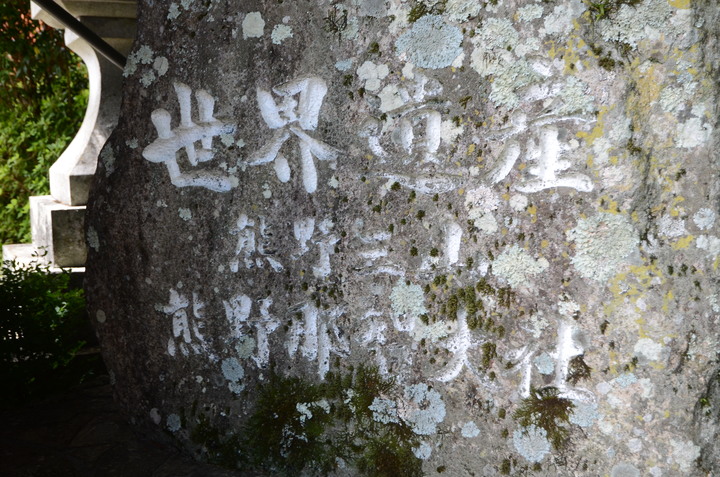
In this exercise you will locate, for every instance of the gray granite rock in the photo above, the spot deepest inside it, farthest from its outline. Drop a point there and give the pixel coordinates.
(405, 237)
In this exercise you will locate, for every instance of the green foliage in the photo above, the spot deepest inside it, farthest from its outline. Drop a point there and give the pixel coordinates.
(42, 103)
(602, 9)
(301, 428)
(545, 408)
(280, 436)
(221, 449)
(489, 353)
(43, 324)
(578, 369)
(420, 9)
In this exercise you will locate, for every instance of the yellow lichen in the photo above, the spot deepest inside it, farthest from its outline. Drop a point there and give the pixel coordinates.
(597, 131)
(684, 242)
(680, 4)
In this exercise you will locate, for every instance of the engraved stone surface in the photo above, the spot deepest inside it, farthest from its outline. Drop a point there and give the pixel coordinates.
(395, 237)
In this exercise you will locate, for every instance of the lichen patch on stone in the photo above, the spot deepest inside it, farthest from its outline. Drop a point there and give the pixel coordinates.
(517, 266)
(602, 245)
(431, 43)
(253, 25)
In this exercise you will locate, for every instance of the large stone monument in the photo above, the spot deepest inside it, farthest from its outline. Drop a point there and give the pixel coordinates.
(406, 237)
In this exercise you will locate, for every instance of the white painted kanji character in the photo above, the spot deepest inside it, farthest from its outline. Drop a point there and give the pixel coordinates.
(264, 325)
(415, 116)
(373, 249)
(248, 246)
(165, 148)
(546, 153)
(317, 335)
(326, 247)
(294, 117)
(304, 230)
(566, 348)
(238, 314)
(186, 329)
(244, 229)
(459, 344)
(374, 338)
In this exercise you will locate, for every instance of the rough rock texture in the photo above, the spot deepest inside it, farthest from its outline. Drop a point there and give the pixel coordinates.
(391, 237)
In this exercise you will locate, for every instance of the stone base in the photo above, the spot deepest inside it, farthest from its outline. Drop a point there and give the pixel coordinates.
(60, 230)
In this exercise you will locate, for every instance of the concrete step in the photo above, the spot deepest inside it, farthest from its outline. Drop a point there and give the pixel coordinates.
(28, 255)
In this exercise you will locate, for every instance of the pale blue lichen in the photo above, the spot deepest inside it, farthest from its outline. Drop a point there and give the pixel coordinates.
(632, 24)
(516, 266)
(245, 347)
(423, 451)
(560, 20)
(173, 423)
(530, 12)
(684, 454)
(100, 316)
(623, 469)
(584, 414)
(144, 55)
(461, 10)
(431, 43)
(634, 445)
(234, 373)
(351, 30)
(508, 80)
(253, 25)
(372, 74)
(602, 244)
(424, 409)
(391, 98)
(497, 33)
(669, 227)
(531, 442)
(648, 349)
(372, 8)
(161, 65)
(432, 332)
(304, 410)
(481, 199)
(469, 430)
(692, 133)
(147, 78)
(673, 98)
(141, 56)
(155, 415)
(384, 410)
(544, 363)
(173, 11)
(280, 33)
(625, 380)
(575, 97)
(484, 222)
(185, 214)
(709, 243)
(407, 299)
(704, 218)
(344, 65)
(493, 55)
